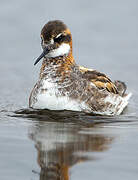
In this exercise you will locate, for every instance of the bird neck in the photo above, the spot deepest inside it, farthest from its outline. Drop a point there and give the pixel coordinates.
(60, 65)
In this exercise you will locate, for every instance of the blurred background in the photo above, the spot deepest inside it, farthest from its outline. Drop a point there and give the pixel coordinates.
(105, 37)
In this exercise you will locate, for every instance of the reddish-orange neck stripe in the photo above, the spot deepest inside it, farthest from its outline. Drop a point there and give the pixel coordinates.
(63, 64)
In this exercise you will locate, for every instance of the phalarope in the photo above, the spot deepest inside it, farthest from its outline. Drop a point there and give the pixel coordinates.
(64, 85)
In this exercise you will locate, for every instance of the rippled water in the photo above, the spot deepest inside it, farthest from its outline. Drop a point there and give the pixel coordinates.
(62, 144)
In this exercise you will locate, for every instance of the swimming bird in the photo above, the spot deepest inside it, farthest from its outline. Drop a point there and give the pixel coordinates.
(64, 85)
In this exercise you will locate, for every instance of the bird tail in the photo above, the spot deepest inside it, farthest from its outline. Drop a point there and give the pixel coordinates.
(121, 88)
(124, 103)
(121, 105)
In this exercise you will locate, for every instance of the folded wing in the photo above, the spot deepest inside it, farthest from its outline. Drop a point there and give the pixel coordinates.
(100, 80)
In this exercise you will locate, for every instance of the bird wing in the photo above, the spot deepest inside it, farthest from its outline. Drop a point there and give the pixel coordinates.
(100, 80)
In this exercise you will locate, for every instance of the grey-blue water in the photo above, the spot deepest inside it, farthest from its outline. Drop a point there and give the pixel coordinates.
(50, 145)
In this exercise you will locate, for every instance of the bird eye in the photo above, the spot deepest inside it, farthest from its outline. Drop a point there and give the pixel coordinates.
(58, 38)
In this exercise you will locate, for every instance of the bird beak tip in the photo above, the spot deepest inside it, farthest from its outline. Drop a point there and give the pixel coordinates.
(45, 51)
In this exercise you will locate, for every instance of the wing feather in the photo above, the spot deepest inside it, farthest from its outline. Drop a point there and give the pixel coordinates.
(100, 80)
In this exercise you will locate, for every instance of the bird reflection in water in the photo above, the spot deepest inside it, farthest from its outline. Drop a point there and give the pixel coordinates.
(60, 145)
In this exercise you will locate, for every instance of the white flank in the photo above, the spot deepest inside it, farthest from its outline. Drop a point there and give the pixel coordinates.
(118, 104)
(49, 100)
(63, 49)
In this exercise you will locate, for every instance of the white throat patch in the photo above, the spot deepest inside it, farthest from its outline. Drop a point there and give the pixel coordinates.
(62, 50)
